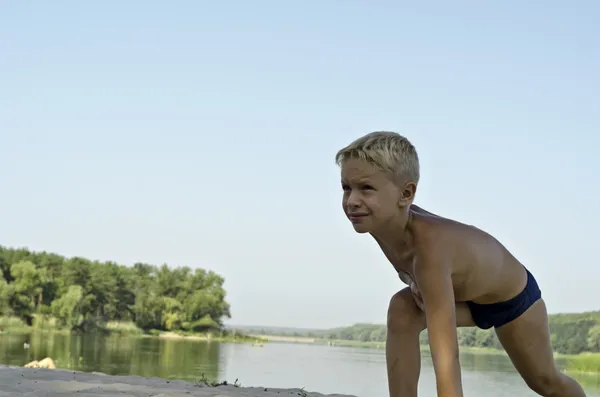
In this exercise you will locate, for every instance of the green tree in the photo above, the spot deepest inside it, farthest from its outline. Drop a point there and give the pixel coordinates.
(593, 339)
(68, 308)
(84, 294)
(26, 288)
(5, 309)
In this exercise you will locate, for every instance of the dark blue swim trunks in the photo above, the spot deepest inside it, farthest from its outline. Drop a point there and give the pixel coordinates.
(497, 314)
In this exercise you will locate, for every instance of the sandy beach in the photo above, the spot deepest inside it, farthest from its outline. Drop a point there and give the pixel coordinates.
(18, 381)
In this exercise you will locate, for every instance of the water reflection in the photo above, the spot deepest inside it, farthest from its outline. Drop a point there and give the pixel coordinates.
(179, 358)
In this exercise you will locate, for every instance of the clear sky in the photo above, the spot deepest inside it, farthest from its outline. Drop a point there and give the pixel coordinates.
(203, 134)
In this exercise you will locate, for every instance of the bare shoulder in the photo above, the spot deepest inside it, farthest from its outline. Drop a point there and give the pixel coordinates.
(435, 229)
(476, 260)
(429, 225)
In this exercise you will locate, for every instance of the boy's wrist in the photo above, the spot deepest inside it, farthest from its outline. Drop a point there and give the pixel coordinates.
(450, 389)
(449, 384)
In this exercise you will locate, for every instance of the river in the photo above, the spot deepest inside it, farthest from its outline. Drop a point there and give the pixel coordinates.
(326, 369)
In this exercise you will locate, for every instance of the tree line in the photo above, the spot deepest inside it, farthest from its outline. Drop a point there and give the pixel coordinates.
(83, 294)
(571, 333)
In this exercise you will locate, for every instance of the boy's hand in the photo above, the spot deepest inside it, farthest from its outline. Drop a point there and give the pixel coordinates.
(433, 275)
(405, 277)
(417, 295)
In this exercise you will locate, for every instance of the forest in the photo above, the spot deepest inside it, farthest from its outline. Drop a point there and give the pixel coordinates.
(81, 294)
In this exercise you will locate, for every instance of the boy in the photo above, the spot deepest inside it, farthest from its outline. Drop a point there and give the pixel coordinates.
(458, 276)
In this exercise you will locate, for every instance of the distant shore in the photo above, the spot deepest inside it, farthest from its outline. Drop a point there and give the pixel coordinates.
(17, 381)
(583, 363)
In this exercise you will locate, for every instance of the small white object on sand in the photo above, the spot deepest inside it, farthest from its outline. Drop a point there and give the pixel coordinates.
(45, 363)
(18, 381)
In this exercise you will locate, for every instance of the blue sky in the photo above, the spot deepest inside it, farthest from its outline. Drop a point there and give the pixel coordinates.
(203, 134)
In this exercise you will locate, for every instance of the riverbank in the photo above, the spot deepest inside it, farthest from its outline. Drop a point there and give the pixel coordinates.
(354, 343)
(17, 326)
(583, 363)
(207, 337)
(17, 381)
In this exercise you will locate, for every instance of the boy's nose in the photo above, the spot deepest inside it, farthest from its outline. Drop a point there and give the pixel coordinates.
(353, 201)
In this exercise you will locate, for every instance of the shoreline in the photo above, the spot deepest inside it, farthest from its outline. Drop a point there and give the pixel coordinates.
(19, 381)
(260, 339)
(254, 338)
(159, 335)
(586, 363)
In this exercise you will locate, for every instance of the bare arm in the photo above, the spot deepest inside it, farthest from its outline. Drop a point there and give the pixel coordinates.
(437, 292)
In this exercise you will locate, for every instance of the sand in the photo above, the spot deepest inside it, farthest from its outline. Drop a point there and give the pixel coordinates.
(18, 381)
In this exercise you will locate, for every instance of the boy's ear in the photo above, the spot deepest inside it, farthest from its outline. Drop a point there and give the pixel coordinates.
(408, 194)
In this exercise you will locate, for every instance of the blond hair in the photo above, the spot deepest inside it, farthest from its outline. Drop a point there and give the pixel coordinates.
(386, 150)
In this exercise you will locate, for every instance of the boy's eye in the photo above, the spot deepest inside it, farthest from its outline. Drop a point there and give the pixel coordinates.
(367, 187)
(345, 187)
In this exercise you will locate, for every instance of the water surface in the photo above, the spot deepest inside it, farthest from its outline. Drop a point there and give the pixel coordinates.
(326, 369)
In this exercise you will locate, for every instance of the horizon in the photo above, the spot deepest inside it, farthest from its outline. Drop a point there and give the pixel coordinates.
(309, 329)
(204, 134)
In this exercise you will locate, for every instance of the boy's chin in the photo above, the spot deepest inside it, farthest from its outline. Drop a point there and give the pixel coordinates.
(360, 228)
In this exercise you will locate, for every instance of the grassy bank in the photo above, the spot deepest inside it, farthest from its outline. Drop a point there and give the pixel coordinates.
(47, 323)
(13, 324)
(124, 328)
(587, 363)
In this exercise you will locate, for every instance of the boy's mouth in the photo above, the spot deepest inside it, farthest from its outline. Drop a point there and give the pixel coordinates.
(354, 217)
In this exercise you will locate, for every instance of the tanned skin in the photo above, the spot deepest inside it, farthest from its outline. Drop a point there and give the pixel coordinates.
(445, 263)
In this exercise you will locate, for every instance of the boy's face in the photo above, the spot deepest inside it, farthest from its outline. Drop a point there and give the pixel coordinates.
(371, 199)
